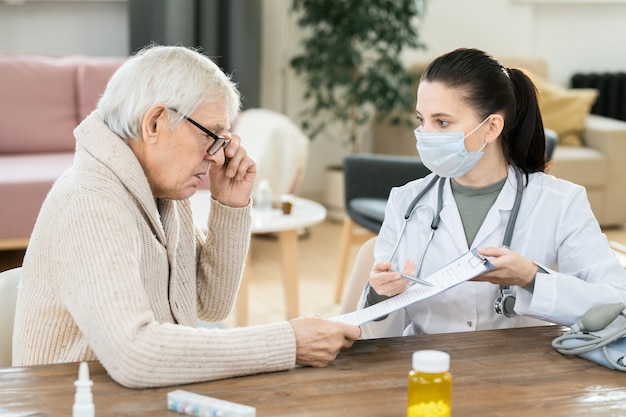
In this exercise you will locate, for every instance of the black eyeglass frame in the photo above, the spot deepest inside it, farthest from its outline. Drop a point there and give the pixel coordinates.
(219, 142)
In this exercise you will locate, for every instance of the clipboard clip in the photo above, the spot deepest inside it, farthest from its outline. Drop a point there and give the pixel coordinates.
(478, 259)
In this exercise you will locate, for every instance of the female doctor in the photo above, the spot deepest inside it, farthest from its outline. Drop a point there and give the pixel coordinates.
(481, 133)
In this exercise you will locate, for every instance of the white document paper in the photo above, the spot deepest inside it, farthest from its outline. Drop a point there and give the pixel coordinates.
(462, 269)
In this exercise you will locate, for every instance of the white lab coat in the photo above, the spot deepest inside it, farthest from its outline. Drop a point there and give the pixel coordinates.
(555, 228)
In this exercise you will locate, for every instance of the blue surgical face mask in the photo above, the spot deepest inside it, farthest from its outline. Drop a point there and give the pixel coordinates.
(444, 153)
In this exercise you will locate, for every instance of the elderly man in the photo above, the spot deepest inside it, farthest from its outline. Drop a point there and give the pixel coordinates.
(116, 271)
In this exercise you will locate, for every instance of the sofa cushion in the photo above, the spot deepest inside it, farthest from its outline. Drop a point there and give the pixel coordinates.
(93, 74)
(581, 165)
(565, 110)
(37, 98)
(24, 183)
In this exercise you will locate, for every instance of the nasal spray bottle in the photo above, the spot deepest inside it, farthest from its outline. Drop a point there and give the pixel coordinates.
(83, 399)
(264, 198)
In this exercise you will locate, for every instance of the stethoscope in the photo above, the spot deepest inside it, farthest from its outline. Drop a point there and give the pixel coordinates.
(505, 303)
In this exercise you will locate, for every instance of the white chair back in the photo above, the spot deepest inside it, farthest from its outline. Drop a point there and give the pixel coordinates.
(9, 281)
(278, 146)
(363, 264)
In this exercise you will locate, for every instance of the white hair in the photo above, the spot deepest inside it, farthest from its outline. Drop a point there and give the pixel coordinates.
(175, 76)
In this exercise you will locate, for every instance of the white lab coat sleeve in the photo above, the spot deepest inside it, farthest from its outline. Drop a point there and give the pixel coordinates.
(393, 324)
(589, 274)
(384, 242)
(563, 299)
(390, 229)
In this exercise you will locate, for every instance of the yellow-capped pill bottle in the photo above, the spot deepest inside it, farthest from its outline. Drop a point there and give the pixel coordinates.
(430, 385)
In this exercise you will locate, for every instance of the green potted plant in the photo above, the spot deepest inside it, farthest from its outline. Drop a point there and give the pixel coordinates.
(352, 72)
(350, 63)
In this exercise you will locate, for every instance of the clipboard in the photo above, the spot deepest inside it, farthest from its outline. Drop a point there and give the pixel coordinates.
(462, 269)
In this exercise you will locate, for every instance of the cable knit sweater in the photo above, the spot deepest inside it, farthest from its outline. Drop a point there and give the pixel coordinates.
(113, 274)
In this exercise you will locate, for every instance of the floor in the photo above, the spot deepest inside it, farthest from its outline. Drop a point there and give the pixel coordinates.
(318, 264)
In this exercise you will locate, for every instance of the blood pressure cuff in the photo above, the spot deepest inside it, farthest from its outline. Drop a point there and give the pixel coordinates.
(616, 351)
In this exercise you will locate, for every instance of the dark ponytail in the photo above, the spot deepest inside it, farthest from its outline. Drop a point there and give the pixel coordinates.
(524, 142)
(490, 88)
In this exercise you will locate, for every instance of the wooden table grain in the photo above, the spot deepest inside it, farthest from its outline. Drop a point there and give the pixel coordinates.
(512, 372)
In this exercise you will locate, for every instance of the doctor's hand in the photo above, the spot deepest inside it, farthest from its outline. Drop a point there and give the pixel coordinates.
(510, 268)
(389, 283)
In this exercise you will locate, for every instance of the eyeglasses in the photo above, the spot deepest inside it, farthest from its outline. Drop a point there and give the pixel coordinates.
(219, 142)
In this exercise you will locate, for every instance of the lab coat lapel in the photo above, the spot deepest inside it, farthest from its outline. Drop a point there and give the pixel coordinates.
(451, 220)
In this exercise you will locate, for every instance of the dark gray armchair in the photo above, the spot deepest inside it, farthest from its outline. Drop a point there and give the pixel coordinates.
(368, 180)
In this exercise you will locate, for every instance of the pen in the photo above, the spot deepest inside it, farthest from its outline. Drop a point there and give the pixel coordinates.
(416, 280)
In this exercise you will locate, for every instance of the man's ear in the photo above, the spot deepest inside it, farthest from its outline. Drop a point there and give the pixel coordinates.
(495, 125)
(154, 121)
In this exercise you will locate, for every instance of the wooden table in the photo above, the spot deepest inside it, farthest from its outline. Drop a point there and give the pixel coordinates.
(496, 373)
(305, 213)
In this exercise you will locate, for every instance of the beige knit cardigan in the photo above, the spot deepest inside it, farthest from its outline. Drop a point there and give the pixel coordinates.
(113, 275)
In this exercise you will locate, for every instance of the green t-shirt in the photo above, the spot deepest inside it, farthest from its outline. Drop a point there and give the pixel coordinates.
(474, 204)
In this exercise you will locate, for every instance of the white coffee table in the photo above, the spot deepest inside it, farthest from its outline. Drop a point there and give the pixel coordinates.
(305, 213)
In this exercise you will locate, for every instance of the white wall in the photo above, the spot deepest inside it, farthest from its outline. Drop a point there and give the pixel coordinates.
(573, 35)
(51, 27)
(587, 36)
(282, 91)
(501, 27)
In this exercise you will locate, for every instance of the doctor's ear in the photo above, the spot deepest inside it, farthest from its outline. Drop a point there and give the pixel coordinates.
(495, 124)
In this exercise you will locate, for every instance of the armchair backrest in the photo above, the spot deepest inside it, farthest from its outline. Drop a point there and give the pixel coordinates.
(373, 175)
(369, 178)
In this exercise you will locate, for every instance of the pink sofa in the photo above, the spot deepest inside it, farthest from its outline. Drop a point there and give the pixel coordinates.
(42, 99)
